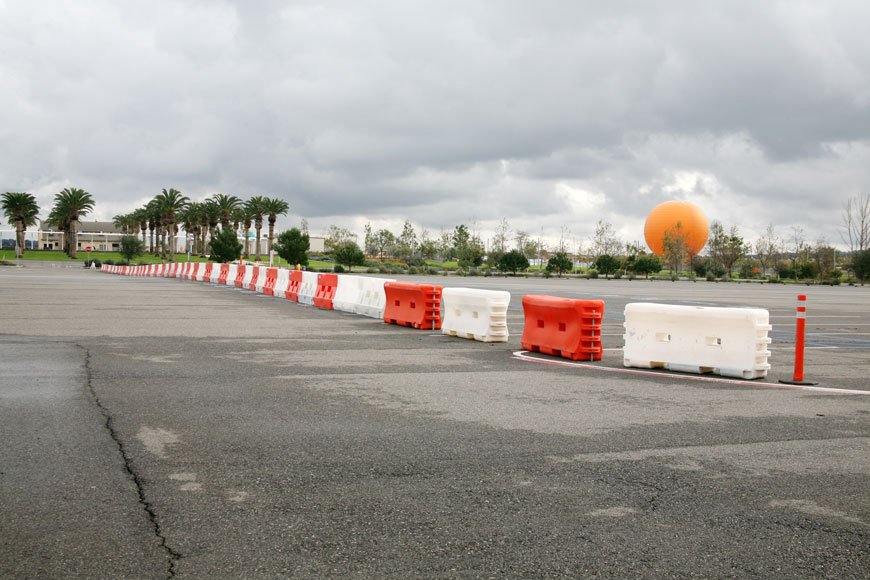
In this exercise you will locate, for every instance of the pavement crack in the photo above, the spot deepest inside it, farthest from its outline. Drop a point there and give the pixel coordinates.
(171, 555)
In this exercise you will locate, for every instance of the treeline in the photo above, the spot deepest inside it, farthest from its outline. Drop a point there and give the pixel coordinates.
(726, 254)
(161, 219)
(70, 205)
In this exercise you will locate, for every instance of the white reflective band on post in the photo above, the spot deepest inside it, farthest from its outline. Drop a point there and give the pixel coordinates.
(801, 314)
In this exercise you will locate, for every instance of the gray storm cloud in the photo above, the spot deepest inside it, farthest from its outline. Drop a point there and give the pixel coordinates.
(553, 114)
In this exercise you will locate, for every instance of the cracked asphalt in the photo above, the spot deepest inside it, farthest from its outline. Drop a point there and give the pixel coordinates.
(157, 428)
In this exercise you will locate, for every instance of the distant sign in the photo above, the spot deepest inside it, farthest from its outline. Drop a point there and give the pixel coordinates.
(89, 249)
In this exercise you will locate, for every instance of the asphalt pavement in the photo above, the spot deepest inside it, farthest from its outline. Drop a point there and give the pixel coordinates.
(159, 428)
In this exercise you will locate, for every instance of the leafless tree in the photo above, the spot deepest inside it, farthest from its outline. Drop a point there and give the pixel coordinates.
(798, 246)
(767, 246)
(856, 223)
(604, 241)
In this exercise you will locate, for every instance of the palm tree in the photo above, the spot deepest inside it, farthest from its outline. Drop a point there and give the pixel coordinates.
(273, 208)
(141, 218)
(20, 209)
(211, 217)
(170, 202)
(59, 222)
(226, 204)
(255, 208)
(123, 222)
(237, 217)
(152, 212)
(186, 218)
(247, 218)
(72, 203)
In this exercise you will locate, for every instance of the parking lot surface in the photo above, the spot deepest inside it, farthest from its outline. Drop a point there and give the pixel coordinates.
(159, 428)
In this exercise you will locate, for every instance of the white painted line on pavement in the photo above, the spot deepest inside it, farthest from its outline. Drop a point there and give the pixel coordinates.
(523, 355)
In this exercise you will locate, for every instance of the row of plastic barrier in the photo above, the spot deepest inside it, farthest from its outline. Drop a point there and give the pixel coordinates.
(356, 294)
(725, 341)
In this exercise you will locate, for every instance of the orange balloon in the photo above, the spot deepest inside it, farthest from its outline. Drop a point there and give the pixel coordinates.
(665, 217)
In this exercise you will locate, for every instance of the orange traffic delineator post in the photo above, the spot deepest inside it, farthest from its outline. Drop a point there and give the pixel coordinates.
(292, 292)
(800, 331)
(563, 327)
(327, 284)
(414, 305)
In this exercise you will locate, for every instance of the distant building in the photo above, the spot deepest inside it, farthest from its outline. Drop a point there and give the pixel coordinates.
(101, 236)
(106, 237)
(316, 244)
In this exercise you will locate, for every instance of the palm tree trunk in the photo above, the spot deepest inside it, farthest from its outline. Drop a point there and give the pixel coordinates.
(19, 236)
(247, 242)
(164, 234)
(73, 239)
(259, 227)
(172, 242)
(271, 236)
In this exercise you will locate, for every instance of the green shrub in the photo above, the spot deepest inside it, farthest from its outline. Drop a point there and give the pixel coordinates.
(412, 270)
(372, 270)
(338, 269)
(592, 274)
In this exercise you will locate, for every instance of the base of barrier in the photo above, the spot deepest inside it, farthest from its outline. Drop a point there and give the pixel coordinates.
(800, 383)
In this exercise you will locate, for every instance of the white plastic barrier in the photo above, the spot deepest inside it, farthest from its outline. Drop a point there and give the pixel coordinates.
(476, 314)
(262, 278)
(346, 293)
(215, 273)
(232, 272)
(281, 283)
(731, 342)
(249, 273)
(200, 273)
(308, 288)
(372, 298)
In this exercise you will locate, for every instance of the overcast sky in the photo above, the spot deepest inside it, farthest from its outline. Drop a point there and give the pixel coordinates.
(549, 114)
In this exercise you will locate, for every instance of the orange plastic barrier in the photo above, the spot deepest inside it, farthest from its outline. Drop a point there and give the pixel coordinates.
(222, 276)
(205, 276)
(292, 292)
(415, 305)
(252, 284)
(240, 275)
(327, 284)
(269, 284)
(563, 327)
